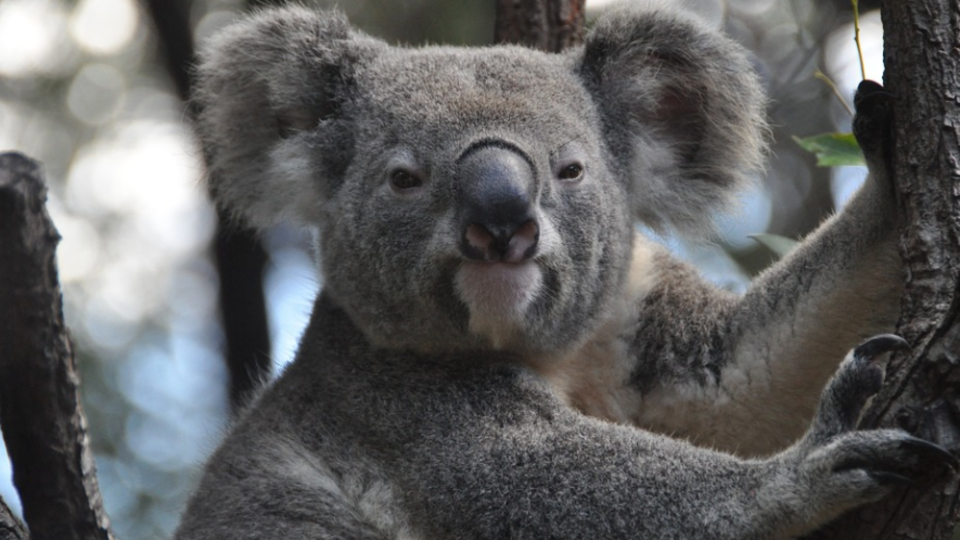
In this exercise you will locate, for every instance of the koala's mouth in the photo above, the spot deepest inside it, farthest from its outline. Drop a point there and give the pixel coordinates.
(498, 296)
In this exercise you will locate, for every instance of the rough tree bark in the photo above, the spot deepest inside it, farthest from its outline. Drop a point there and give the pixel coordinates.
(10, 526)
(548, 25)
(921, 44)
(43, 425)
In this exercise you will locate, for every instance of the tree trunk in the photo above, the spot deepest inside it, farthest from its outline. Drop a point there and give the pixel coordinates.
(43, 425)
(548, 25)
(921, 40)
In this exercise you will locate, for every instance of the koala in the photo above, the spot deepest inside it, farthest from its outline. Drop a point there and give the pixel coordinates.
(497, 352)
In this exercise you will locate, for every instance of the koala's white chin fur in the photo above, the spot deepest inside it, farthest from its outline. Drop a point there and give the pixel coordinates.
(498, 295)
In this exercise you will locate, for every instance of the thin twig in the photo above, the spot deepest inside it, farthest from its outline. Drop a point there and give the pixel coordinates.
(836, 91)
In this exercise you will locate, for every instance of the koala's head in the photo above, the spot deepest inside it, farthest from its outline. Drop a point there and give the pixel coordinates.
(471, 198)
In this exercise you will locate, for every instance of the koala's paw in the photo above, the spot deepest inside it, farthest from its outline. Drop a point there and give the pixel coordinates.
(872, 125)
(858, 378)
(844, 468)
(864, 466)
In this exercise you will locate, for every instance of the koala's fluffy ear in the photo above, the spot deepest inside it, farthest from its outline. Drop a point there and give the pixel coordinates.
(682, 109)
(268, 95)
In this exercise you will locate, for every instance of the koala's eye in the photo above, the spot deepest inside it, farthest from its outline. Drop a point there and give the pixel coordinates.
(402, 179)
(571, 173)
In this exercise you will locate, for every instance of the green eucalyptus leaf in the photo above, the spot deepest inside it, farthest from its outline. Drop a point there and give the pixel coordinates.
(833, 149)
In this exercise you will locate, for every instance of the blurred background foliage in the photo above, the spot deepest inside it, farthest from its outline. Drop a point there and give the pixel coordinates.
(84, 88)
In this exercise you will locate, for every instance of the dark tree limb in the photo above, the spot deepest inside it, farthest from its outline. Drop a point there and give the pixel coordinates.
(240, 263)
(922, 391)
(239, 257)
(548, 25)
(43, 425)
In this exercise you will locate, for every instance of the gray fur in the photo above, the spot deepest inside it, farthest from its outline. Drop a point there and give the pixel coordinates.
(418, 408)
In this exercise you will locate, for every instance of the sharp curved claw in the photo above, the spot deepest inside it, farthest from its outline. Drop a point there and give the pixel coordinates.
(877, 345)
(932, 451)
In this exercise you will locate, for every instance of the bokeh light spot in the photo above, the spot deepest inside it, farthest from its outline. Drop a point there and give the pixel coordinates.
(31, 37)
(104, 26)
(79, 250)
(96, 94)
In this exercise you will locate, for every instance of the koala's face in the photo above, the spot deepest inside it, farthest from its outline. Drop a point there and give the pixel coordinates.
(475, 198)
(477, 208)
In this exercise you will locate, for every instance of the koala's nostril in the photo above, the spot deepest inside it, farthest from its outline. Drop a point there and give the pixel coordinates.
(480, 239)
(523, 243)
(503, 245)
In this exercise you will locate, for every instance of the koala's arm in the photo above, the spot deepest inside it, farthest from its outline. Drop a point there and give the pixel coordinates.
(743, 374)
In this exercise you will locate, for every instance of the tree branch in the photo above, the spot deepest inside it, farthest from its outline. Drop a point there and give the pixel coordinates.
(43, 425)
(921, 40)
(548, 25)
(10, 526)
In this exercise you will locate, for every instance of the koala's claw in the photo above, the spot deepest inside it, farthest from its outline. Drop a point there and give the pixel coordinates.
(893, 452)
(859, 378)
(921, 455)
(863, 466)
(930, 453)
(877, 345)
(866, 465)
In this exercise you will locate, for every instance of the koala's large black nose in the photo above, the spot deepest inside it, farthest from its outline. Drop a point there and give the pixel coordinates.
(497, 222)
